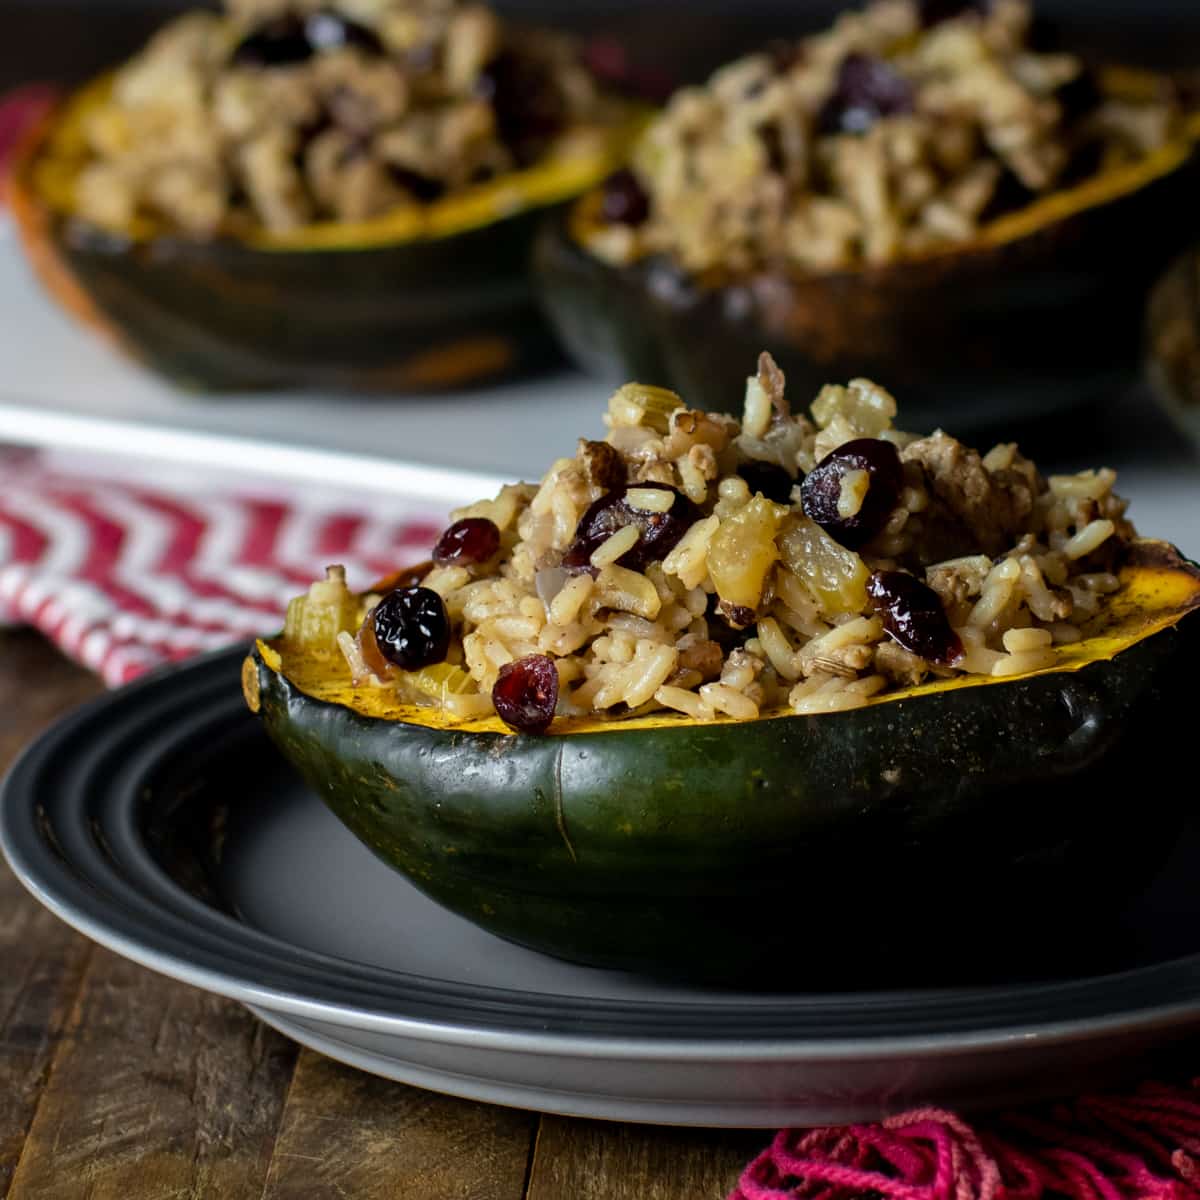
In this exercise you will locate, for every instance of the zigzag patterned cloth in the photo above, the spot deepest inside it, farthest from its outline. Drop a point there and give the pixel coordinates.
(125, 576)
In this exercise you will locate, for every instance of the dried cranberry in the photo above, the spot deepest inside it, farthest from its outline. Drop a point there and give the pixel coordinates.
(471, 540)
(412, 628)
(913, 615)
(768, 478)
(661, 531)
(291, 39)
(822, 489)
(624, 200)
(866, 90)
(526, 693)
(527, 102)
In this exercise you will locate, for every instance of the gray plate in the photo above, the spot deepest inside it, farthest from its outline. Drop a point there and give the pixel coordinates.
(160, 822)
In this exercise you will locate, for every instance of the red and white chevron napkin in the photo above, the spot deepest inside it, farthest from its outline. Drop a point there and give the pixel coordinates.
(127, 572)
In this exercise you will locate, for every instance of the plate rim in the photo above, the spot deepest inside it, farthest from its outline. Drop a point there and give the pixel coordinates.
(50, 882)
(858, 1049)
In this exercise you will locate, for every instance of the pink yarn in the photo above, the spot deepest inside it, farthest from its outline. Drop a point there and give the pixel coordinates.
(1143, 1145)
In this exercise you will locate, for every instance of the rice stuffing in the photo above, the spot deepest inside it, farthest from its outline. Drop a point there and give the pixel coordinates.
(611, 588)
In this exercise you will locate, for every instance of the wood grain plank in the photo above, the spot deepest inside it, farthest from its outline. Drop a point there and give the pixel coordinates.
(43, 959)
(354, 1135)
(159, 1091)
(593, 1160)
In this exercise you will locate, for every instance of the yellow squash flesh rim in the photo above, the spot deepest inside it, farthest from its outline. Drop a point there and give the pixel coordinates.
(1158, 589)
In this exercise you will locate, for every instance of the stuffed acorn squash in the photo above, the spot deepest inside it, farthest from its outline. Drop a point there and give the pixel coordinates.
(342, 195)
(717, 696)
(921, 193)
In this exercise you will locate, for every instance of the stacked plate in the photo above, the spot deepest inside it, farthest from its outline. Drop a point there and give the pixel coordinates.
(160, 822)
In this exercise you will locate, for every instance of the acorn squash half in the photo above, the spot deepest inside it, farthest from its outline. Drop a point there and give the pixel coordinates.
(1041, 311)
(424, 298)
(958, 815)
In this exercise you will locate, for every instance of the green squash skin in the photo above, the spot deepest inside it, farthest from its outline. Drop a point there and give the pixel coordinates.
(1006, 814)
(423, 315)
(970, 338)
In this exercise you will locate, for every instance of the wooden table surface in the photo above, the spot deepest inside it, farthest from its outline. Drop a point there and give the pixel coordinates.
(118, 1084)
